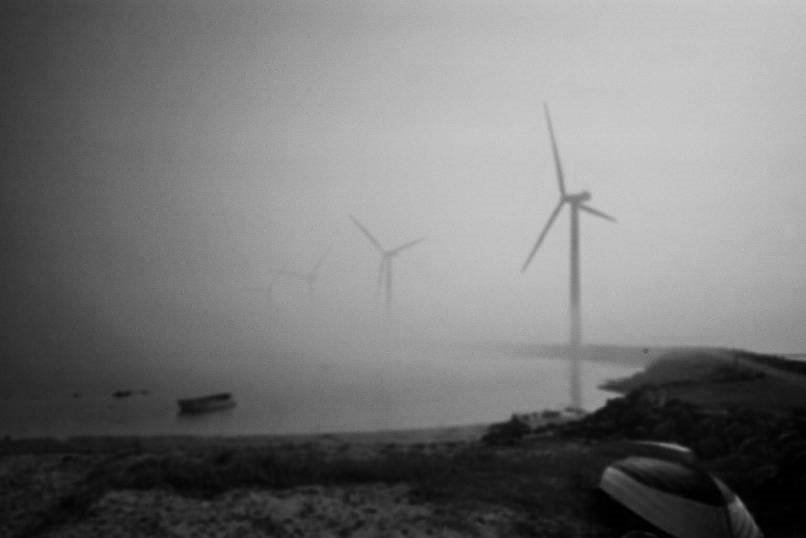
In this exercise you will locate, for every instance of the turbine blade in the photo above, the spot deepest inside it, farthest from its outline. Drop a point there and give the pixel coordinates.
(557, 164)
(367, 233)
(401, 248)
(539, 241)
(596, 212)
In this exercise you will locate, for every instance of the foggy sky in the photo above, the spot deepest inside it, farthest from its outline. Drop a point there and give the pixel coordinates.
(162, 158)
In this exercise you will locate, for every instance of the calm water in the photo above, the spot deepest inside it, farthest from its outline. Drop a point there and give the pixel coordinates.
(343, 387)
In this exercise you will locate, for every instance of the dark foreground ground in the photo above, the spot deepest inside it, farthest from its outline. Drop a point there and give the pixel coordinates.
(519, 480)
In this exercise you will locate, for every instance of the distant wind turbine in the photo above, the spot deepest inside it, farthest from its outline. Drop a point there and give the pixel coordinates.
(269, 290)
(310, 277)
(385, 270)
(576, 202)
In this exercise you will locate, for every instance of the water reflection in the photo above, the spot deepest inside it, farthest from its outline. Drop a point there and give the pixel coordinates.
(328, 392)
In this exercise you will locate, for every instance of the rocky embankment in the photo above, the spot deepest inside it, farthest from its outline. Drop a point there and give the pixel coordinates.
(762, 456)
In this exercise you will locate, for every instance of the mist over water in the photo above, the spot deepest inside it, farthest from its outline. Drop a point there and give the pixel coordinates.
(162, 161)
(312, 384)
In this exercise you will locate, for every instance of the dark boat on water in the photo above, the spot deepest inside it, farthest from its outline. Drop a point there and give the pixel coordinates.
(206, 404)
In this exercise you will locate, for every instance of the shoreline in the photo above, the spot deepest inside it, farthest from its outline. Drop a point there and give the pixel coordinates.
(779, 367)
(530, 479)
(100, 443)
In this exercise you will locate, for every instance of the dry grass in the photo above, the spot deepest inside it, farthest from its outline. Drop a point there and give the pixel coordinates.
(545, 489)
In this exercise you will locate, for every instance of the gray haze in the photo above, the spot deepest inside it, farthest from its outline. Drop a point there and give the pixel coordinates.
(160, 159)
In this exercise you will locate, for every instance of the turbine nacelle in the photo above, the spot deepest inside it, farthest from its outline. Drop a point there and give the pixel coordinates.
(579, 198)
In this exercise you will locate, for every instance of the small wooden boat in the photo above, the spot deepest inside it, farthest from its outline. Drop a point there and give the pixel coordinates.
(206, 404)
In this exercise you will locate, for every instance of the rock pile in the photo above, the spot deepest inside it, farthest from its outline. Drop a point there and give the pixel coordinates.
(520, 425)
(762, 456)
(649, 414)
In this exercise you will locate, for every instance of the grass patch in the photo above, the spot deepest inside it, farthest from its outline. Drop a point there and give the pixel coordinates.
(547, 486)
(781, 363)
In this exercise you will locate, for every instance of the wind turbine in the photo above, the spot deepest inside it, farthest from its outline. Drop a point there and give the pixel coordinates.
(576, 202)
(385, 269)
(269, 290)
(310, 277)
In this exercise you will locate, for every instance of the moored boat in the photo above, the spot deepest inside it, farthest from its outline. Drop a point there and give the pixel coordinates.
(206, 404)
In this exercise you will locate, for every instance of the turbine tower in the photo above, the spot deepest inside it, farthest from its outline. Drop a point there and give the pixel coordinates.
(385, 269)
(270, 293)
(576, 202)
